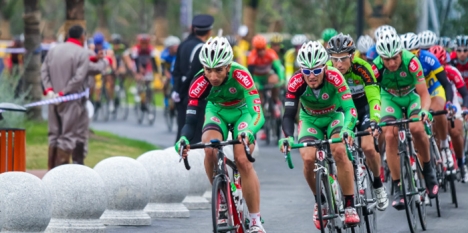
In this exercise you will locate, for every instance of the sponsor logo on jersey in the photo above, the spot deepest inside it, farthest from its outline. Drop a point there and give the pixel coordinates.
(334, 123)
(193, 102)
(413, 66)
(295, 82)
(256, 108)
(243, 125)
(377, 107)
(233, 90)
(414, 105)
(364, 74)
(356, 82)
(254, 92)
(349, 81)
(257, 101)
(419, 74)
(346, 96)
(290, 96)
(215, 119)
(288, 103)
(325, 96)
(402, 74)
(198, 87)
(390, 110)
(191, 111)
(354, 112)
(312, 130)
(321, 111)
(342, 89)
(375, 70)
(243, 78)
(335, 78)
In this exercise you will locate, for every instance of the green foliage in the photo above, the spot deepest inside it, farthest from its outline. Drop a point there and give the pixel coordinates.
(7, 95)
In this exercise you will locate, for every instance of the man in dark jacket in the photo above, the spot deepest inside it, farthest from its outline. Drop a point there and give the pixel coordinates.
(186, 66)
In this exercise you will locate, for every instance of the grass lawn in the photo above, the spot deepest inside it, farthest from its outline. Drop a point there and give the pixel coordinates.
(101, 146)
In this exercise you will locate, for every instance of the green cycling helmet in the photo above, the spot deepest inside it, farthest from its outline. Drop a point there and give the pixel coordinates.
(328, 33)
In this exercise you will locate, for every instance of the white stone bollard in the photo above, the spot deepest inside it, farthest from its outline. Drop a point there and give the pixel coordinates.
(169, 183)
(78, 199)
(127, 186)
(198, 181)
(24, 203)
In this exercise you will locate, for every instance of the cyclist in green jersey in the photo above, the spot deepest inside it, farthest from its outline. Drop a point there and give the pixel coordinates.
(402, 83)
(366, 96)
(232, 99)
(327, 111)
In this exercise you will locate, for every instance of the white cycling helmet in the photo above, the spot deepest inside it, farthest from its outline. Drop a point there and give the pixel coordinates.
(298, 39)
(216, 52)
(171, 41)
(384, 28)
(410, 41)
(461, 41)
(312, 54)
(389, 44)
(243, 31)
(364, 43)
(427, 39)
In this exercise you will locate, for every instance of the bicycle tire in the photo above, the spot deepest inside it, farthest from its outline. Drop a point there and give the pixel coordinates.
(323, 183)
(104, 99)
(359, 203)
(220, 188)
(151, 106)
(453, 192)
(439, 174)
(406, 180)
(421, 205)
(370, 215)
(123, 104)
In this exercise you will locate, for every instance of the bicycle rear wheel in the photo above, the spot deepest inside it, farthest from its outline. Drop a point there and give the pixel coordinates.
(439, 174)
(151, 105)
(121, 103)
(222, 222)
(453, 192)
(408, 190)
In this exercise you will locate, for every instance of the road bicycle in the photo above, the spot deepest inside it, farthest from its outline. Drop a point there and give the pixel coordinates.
(229, 211)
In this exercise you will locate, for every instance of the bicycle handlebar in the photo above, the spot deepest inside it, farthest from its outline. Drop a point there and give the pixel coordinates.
(186, 163)
(218, 144)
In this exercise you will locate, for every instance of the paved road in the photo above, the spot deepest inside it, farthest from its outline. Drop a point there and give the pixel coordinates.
(287, 202)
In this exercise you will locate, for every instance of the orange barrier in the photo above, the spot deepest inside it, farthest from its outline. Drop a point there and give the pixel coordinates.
(12, 150)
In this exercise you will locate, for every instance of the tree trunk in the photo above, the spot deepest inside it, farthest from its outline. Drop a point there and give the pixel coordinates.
(4, 29)
(32, 62)
(102, 12)
(160, 21)
(74, 16)
(250, 15)
(381, 13)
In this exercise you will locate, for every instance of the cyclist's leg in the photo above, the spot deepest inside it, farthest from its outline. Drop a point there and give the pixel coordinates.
(97, 88)
(367, 143)
(273, 79)
(308, 132)
(421, 143)
(440, 122)
(391, 111)
(260, 82)
(456, 134)
(110, 85)
(214, 127)
(250, 183)
(338, 150)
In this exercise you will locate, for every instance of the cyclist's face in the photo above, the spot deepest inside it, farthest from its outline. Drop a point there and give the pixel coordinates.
(216, 76)
(173, 49)
(276, 47)
(341, 61)
(392, 63)
(261, 52)
(313, 80)
(462, 53)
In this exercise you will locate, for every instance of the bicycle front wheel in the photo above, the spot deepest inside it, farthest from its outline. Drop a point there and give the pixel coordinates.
(220, 209)
(323, 189)
(370, 213)
(408, 190)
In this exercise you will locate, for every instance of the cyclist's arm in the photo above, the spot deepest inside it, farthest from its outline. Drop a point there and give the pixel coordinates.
(193, 106)
(416, 72)
(442, 77)
(252, 99)
(344, 97)
(279, 70)
(455, 76)
(464, 93)
(371, 88)
(296, 87)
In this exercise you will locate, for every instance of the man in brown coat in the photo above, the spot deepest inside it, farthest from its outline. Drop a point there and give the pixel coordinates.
(64, 72)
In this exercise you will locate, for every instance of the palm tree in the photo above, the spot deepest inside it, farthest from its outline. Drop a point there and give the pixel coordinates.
(32, 42)
(6, 12)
